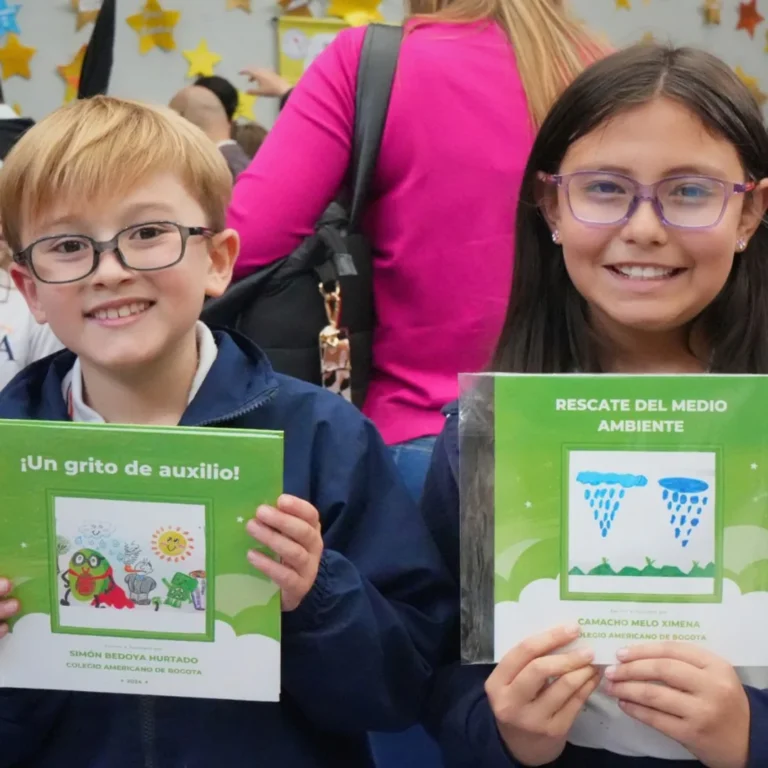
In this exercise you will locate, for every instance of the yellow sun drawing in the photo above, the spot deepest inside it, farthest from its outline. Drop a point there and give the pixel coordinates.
(172, 544)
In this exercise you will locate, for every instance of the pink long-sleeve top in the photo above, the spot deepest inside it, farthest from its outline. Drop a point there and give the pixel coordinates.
(442, 212)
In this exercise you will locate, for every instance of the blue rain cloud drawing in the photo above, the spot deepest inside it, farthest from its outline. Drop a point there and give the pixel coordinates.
(686, 499)
(605, 494)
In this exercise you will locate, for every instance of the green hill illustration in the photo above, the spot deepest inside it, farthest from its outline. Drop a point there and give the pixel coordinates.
(650, 569)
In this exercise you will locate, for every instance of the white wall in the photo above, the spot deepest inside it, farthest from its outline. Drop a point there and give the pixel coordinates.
(682, 22)
(243, 39)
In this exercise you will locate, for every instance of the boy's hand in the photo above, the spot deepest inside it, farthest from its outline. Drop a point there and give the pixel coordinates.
(701, 703)
(8, 607)
(536, 694)
(292, 532)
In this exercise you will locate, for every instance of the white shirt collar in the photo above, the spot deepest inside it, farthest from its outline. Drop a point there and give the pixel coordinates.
(8, 113)
(72, 387)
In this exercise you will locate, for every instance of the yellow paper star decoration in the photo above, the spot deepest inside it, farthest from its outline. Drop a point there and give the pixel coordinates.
(87, 11)
(753, 84)
(15, 58)
(18, 110)
(648, 38)
(70, 73)
(623, 5)
(201, 60)
(245, 105)
(244, 4)
(155, 27)
(353, 8)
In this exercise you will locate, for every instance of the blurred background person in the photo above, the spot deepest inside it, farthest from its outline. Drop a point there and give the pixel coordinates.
(225, 92)
(250, 136)
(474, 80)
(22, 339)
(202, 108)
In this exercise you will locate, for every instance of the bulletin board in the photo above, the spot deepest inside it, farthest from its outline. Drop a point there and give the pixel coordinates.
(300, 40)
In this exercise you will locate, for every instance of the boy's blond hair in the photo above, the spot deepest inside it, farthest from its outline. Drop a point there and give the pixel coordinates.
(101, 148)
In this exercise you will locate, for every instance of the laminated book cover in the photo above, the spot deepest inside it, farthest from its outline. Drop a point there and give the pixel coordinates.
(127, 549)
(635, 506)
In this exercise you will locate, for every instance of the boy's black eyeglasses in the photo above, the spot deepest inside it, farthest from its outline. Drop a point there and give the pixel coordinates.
(146, 247)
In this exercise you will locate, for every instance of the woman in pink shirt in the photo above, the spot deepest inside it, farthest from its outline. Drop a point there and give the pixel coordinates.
(474, 79)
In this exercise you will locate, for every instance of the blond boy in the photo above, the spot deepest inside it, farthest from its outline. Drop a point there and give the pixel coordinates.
(115, 214)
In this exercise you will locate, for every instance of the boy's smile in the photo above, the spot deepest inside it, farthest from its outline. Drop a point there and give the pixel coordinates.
(119, 312)
(120, 320)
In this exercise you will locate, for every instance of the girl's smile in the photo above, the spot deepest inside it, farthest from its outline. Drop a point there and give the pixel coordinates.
(645, 278)
(645, 272)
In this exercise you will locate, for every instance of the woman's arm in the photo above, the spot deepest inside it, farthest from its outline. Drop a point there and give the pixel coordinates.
(303, 162)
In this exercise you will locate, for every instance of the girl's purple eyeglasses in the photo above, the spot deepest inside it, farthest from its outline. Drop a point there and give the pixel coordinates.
(603, 198)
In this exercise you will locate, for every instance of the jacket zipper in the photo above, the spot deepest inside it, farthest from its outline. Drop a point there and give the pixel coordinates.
(263, 400)
(147, 715)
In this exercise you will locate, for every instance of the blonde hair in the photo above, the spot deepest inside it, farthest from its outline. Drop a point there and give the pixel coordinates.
(6, 256)
(551, 47)
(106, 147)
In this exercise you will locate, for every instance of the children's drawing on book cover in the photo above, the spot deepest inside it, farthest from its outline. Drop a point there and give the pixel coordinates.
(130, 566)
(641, 523)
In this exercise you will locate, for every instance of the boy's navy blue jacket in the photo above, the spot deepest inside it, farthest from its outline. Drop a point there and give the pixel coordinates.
(357, 653)
(458, 713)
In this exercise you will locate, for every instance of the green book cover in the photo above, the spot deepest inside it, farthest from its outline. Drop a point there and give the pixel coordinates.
(636, 506)
(127, 549)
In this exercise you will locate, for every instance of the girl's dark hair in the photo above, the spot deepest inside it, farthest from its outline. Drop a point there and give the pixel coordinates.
(547, 328)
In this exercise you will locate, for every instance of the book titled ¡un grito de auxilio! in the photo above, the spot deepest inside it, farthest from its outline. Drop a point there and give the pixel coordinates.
(127, 550)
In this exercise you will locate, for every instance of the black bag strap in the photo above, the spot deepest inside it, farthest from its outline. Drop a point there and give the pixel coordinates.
(376, 73)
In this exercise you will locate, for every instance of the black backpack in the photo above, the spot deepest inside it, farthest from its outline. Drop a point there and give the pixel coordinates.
(281, 306)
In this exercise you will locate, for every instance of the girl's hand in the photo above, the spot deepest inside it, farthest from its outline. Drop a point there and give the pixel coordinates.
(701, 703)
(535, 696)
(8, 607)
(292, 532)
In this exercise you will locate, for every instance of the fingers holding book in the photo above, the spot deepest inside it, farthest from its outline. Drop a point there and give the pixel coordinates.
(9, 607)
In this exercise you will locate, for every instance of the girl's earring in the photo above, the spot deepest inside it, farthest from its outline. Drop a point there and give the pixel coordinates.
(556, 237)
(741, 244)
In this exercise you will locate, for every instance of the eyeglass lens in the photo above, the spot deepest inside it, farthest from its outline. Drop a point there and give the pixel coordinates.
(144, 247)
(603, 198)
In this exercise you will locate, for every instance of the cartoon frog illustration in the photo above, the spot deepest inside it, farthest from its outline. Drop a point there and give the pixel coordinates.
(90, 578)
(180, 589)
